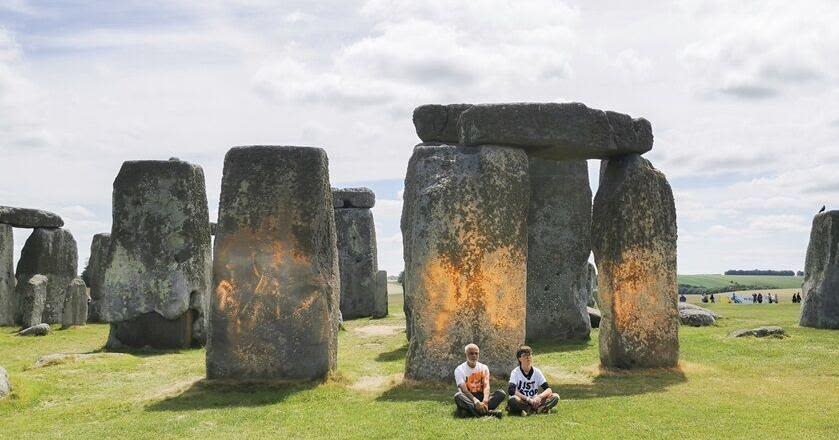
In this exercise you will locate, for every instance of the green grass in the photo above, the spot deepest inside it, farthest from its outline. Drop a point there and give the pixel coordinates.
(725, 388)
(765, 281)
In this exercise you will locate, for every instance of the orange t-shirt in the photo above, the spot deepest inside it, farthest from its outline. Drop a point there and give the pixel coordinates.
(474, 378)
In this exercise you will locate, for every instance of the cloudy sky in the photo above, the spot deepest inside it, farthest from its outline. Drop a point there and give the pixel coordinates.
(743, 97)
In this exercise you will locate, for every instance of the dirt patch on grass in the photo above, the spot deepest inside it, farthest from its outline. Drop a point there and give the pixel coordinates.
(66, 358)
(373, 384)
(378, 330)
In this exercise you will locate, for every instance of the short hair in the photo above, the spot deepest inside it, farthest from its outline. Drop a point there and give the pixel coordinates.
(522, 350)
(468, 346)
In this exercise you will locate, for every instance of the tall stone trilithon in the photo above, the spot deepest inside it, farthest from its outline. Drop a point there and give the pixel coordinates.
(465, 236)
(820, 306)
(157, 270)
(558, 246)
(274, 307)
(51, 252)
(634, 241)
(356, 239)
(7, 276)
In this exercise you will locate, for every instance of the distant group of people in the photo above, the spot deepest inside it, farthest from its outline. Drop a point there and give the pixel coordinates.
(796, 297)
(528, 390)
(759, 298)
(708, 298)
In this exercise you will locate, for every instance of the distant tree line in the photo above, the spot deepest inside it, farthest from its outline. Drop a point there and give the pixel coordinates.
(783, 273)
(687, 289)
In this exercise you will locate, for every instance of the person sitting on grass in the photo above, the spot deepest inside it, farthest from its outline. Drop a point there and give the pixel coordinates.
(525, 383)
(472, 380)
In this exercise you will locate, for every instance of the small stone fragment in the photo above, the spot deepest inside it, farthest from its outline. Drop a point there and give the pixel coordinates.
(438, 123)
(353, 198)
(380, 298)
(42, 329)
(32, 295)
(54, 254)
(75, 304)
(29, 218)
(761, 332)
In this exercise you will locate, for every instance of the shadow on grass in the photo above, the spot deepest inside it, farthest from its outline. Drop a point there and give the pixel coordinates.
(410, 391)
(611, 383)
(560, 347)
(393, 355)
(205, 394)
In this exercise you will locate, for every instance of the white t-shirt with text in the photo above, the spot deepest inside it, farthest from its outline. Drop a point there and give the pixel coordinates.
(528, 385)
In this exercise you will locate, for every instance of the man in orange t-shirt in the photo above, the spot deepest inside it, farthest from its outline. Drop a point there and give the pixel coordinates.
(472, 380)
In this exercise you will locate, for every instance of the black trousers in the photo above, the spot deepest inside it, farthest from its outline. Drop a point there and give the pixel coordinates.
(495, 399)
(515, 406)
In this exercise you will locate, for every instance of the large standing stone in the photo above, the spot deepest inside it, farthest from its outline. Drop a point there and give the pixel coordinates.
(820, 307)
(75, 304)
(556, 130)
(274, 310)
(558, 246)
(29, 218)
(465, 233)
(159, 257)
(357, 261)
(634, 241)
(52, 253)
(380, 297)
(7, 276)
(438, 123)
(31, 296)
(96, 272)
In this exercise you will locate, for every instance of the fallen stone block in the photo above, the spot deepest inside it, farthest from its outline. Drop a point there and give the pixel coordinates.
(696, 318)
(42, 329)
(760, 332)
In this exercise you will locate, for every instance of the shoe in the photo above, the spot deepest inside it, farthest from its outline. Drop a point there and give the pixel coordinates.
(495, 413)
(548, 405)
(524, 413)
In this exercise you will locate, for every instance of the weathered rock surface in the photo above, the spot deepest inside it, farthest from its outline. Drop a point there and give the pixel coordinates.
(556, 131)
(29, 218)
(820, 307)
(689, 306)
(465, 236)
(353, 198)
(594, 317)
(7, 276)
(558, 246)
(634, 241)
(159, 258)
(591, 284)
(42, 329)
(31, 298)
(438, 123)
(696, 318)
(5, 385)
(52, 253)
(274, 310)
(380, 297)
(75, 304)
(357, 261)
(96, 271)
(152, 330)
(760, 332)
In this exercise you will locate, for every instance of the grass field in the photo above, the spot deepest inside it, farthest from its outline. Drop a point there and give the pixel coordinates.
(724, 388)
(765, 281)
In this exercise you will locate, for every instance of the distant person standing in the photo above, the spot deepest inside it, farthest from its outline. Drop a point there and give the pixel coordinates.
(682, 298)
(712, 298)
(754, 298)
(776, 299)
(759, 298)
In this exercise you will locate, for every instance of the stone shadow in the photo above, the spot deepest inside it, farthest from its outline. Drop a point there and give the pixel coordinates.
(207, 394)
(611, 383)
(393, 355)
(411, 391)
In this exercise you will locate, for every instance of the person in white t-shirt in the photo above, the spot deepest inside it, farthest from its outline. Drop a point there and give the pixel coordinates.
(472, 380)
(528, 389)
